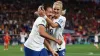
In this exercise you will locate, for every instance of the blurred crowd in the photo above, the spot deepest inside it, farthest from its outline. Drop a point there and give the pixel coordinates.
(84, 19)
(15, 16)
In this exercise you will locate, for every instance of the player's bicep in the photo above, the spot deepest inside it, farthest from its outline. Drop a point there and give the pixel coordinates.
(59, 23)
(42, 29)
(56, 25)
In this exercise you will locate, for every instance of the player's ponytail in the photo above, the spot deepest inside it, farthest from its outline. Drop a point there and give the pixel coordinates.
(63, 12)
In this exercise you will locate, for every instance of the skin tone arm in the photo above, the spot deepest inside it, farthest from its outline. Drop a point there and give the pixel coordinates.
(49, 48)
(54, 25)
(42, 13)
(46, 35)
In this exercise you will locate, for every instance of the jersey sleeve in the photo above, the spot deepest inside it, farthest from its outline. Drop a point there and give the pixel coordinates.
(41, 21)
(61, 22)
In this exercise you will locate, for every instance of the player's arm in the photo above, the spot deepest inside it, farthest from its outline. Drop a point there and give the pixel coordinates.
(57, 24)
(46, 35)
(42, 12)
(52, 24)
(46, 43)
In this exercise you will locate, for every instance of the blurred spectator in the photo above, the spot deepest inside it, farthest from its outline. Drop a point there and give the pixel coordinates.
(23, 35)
(6, 39)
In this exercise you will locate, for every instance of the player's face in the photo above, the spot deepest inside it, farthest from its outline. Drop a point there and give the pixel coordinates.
(56, 10)
(49, 12)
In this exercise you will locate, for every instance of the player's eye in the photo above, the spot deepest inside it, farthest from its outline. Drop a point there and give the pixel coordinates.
(56, 9)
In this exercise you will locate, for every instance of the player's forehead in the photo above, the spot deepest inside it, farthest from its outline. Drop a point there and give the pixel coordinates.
(49, 9)
(56, 7)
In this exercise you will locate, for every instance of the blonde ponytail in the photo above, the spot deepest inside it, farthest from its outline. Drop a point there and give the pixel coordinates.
(64, 12)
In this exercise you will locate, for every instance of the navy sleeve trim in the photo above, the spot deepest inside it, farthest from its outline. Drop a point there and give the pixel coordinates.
(58, 24)
(42, 25)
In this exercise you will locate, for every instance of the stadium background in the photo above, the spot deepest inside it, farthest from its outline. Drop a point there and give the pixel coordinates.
(83, 20)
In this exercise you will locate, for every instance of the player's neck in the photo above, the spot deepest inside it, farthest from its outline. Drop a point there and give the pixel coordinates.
(57, 17)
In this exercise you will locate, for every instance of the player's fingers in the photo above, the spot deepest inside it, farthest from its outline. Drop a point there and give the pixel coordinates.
(59, 42)
(43, 9)
(56, 54)
(53, 54)
(39, 8)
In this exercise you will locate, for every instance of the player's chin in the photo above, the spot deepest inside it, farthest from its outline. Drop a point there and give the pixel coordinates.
(55, 16)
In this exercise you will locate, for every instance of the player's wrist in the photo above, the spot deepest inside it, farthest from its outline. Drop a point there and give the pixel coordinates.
(45, 17)
(51, 51)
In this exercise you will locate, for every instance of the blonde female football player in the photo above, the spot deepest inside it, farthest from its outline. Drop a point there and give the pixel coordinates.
(57, 25)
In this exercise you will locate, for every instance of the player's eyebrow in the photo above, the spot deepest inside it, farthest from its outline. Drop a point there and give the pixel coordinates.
(56, 9)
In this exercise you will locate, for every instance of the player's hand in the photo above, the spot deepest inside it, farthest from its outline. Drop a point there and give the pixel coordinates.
(55, 53)
(41, 11)
(59, 41)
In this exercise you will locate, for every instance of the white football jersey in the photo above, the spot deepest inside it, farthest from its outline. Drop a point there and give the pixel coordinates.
(57, 33)
(35, 41)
